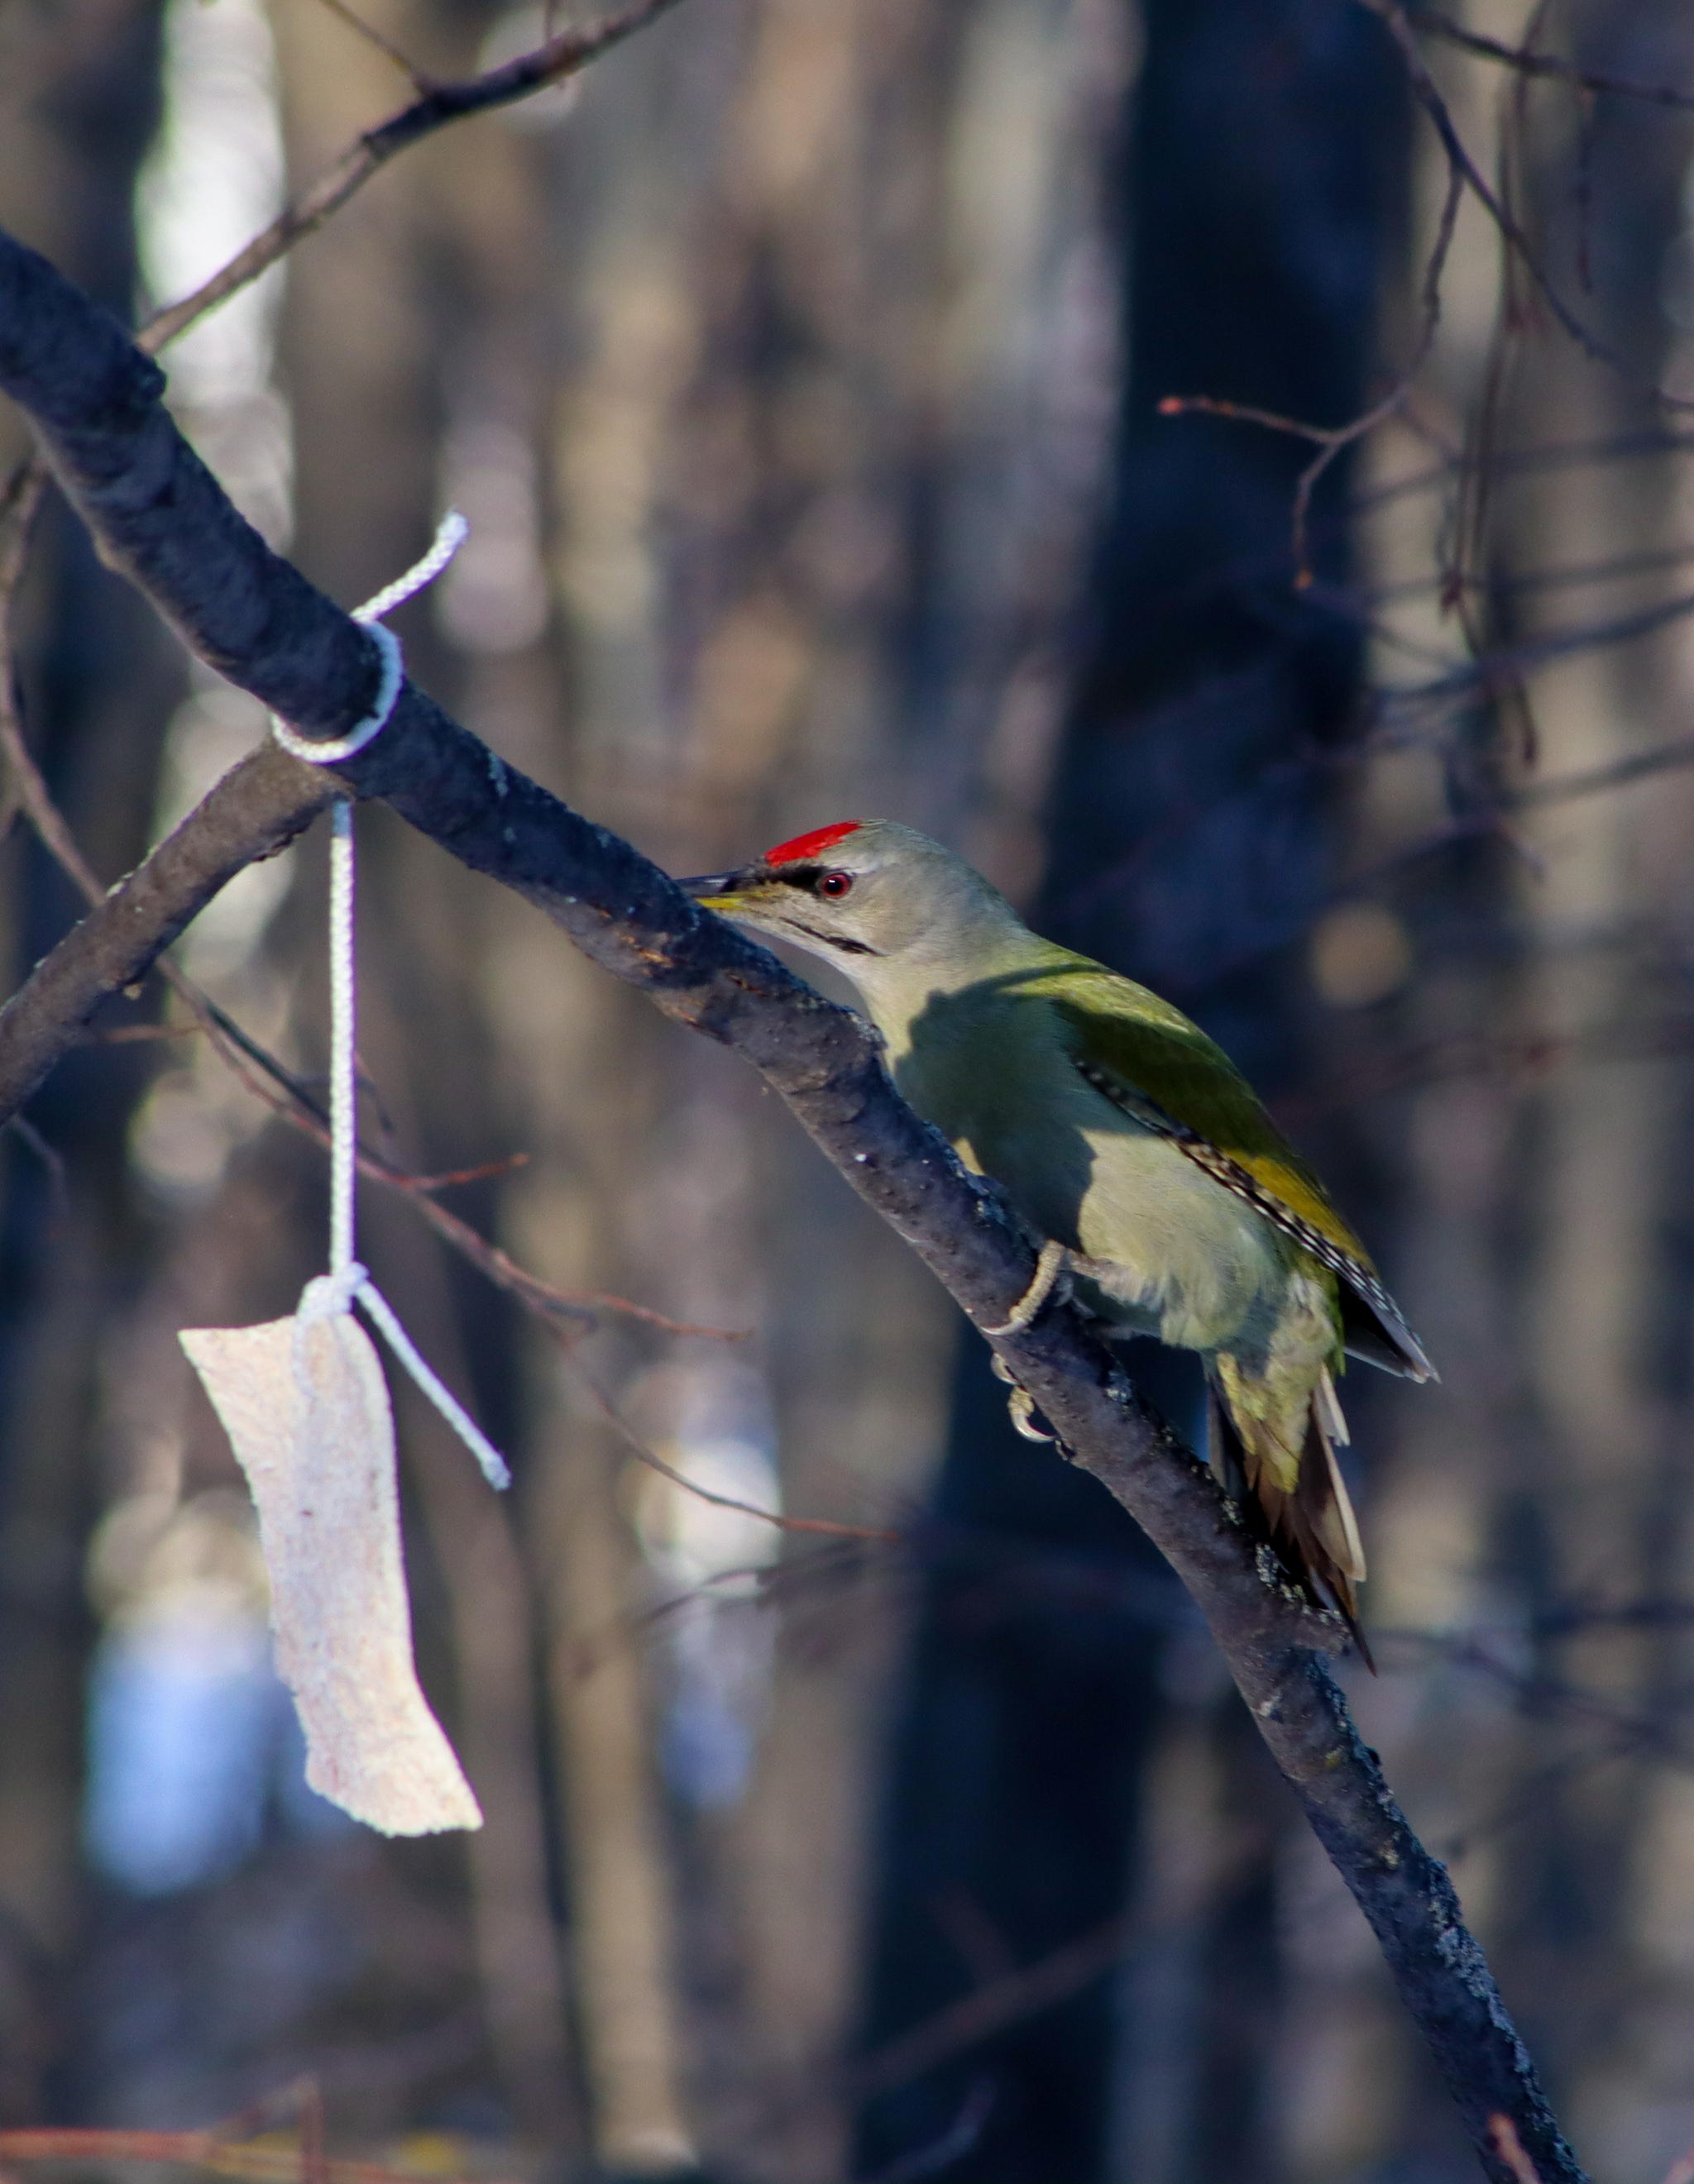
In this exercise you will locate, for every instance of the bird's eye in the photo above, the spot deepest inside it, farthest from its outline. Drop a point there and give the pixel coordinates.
(834, 885)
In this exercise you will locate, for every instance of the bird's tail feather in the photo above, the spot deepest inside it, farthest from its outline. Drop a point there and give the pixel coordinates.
(1312, 1526)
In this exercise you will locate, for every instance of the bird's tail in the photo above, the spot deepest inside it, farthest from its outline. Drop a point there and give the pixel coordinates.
(1311, 1525)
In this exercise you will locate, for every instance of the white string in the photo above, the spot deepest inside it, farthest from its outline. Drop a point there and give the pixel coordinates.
(450, 535)
(330, 1295)
(326, 1296)
(393, 679)
(343, 1016)
(493, 1462)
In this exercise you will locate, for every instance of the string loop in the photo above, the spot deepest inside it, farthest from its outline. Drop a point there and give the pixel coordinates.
(450, 535)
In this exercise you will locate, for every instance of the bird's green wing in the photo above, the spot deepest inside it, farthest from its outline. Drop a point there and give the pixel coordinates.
(1149, 1060)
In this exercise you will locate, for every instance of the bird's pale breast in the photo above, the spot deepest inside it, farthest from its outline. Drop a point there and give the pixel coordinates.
(1173, 1252)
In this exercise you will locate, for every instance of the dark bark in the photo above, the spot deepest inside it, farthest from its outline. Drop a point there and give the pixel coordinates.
(159, 516)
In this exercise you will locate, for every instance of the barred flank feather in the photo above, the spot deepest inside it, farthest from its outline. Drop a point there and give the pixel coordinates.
(1376, 1327)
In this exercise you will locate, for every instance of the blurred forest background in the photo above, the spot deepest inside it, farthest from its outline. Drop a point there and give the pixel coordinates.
(800, 372)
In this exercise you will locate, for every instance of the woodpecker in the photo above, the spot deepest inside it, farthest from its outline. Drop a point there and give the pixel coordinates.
(1124, 1138)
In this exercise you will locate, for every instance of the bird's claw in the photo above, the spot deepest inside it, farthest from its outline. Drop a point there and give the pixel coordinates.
(1020, 1402)
(1048, 1268)
(1021, 1405)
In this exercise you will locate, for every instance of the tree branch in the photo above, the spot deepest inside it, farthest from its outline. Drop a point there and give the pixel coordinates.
(159, 516)
(1549, 65)
(1393, 15)
(439, 104)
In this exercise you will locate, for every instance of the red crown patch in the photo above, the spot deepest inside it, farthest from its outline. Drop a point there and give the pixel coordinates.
(806, 846)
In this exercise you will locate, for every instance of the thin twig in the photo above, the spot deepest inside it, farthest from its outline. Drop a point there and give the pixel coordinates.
(1031, 1988)
(563, 56)
(1557, 577)
(293, 1104)
(1544, 65)
(1424, 89)
(1587, 136)
(1504, 1058)
(1483, 672)
(1463, 174)
(385, 46)
(484, 1172)
(142, 1035)
(640, 1450)
(1332, 440)
(52, 1161)
(773, 1580)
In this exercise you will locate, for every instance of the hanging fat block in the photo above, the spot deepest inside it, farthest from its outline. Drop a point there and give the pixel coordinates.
(305, 1406)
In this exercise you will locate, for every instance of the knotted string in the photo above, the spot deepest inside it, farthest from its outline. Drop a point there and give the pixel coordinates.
(450, 535)
(329, 1295)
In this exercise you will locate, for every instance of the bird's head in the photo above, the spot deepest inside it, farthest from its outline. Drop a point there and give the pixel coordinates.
(868, 895)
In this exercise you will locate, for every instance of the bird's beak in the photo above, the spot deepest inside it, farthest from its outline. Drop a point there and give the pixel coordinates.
(726, 892)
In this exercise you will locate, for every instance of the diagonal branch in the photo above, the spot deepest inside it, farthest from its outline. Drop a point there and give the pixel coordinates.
(158, 517)
(1425, 91)
(441, 103)
(1332, 441)
(1545, 65)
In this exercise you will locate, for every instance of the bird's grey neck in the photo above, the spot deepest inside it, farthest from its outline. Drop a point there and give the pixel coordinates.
(897, 987)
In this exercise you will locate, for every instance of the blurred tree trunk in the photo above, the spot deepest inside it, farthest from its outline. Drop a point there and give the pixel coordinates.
(1190, 842)
(1592, 1501)
(1547, 1264)
(79, 91)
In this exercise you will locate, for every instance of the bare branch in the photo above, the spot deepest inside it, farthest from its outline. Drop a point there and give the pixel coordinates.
(1333, 440)
(288, 1098)
(389, 51)
(639, 1449)
(1427, 95)
(1507, 1057)
(1437, 25)
(564, 56)
(1025, 1993)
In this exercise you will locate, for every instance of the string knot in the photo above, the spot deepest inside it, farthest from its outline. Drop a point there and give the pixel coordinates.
(327, 1296)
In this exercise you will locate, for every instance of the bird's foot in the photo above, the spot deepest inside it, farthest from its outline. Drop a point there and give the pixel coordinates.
(1021, 1405)
(1048, 1268)
(1020, 1402)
